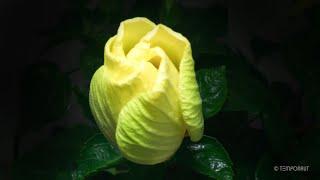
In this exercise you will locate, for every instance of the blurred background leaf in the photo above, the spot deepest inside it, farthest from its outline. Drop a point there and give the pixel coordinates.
(91, 60)
(306, 154)
(145, 8)
(267, 168)
(83, 100)
(45, 95)
(203, 32)
(54, 158)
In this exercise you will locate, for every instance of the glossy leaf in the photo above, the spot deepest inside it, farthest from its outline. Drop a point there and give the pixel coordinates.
(96, 155)
(213, 89)
(207, 157)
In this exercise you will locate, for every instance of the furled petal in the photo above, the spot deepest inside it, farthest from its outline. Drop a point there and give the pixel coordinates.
(111, 90)
(178, 48)
(129, 33)
(126, 82)
(190, 99)
(171, 42)
(126, 79)
(99, 105)
(150, 128)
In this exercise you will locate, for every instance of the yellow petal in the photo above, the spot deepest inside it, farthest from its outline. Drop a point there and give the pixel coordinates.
(118, 81)
(99, 105)
(178, 48)
(150, 128)
(125, 79)
(129, 33)
(122, 86)
(191, 105)
(171, 42)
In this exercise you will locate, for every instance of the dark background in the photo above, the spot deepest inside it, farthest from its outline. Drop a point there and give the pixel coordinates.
(45, 68)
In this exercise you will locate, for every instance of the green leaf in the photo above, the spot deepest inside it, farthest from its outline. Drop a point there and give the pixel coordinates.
(213, 89)
(45, 95)
(55, 157)
(96, 155)
(207, 157)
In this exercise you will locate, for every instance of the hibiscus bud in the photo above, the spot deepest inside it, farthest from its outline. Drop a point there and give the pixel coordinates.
(145, 97)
